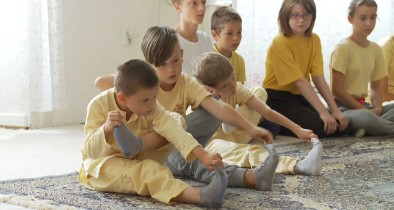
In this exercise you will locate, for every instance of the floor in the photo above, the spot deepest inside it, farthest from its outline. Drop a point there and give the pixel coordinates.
(47, 151)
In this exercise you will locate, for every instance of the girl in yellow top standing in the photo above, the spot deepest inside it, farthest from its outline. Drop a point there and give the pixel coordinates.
(293, 58)
(356, 63)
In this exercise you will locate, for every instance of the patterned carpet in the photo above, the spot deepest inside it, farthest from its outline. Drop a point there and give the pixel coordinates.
(357, 174)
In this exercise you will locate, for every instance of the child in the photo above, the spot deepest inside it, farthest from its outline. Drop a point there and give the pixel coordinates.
(178, 91)
(356, 62)
(132, 105)
(216, 74)
(193, 42)
(226, 27)
(388, 82)
(293, 58)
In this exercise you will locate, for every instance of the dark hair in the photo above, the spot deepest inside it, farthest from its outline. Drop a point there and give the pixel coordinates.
(284, 15)
(158, 44)
(354, 4)
(211, 68)
(134, 75)
(223, 15)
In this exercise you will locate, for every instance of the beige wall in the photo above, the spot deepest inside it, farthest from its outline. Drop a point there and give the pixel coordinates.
(93, 44)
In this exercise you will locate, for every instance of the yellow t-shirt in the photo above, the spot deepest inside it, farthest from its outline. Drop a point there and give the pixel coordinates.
(291, 58)
(388, 53)
(97, 150)
(241, 96)
(238, 64)
(187, 92)
(360, 65)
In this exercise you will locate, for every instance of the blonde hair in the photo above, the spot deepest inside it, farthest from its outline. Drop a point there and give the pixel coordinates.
(284, 15)
(354, 4)
(211, 68)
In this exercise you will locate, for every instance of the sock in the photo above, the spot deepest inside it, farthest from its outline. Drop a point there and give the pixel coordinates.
(359, 133)
(264, 174)
(311, 164)
(212, 196)
(229, 128)
(129, 144)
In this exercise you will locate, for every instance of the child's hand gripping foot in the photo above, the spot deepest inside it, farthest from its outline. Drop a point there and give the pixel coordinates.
(264, 174)
(311, 164)
(212, 196)
(129, 144)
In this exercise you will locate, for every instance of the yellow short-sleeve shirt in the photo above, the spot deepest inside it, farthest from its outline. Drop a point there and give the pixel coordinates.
(238, 63)
(290, 59)
(388, 53)
(186, 92)
(360, 65)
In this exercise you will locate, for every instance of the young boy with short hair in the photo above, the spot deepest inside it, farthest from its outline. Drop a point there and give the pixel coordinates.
(226, 29)
(114, 160)
(216, 73)
(178, 91)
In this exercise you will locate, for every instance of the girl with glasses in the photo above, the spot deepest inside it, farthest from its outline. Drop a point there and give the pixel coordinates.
(293, 59)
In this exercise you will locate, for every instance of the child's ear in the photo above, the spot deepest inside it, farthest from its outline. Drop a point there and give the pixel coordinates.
(214, 35)
(177, 7)
(350, 19)
(121, 97)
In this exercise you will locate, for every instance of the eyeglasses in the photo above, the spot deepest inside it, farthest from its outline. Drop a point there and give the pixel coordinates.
(306, 16)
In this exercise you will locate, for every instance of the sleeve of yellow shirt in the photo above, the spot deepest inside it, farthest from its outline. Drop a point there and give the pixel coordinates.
(95, 145)
(171, 128)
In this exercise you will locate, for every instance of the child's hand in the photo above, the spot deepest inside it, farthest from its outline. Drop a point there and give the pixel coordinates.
(377, 111)
(114, 119)
(305, 134)
(330, 124)
(341, 119)
(262, 135)
(212, 159)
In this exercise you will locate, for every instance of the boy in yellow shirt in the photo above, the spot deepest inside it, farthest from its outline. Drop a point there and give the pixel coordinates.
(226, 29)
(178, 91)
(215, 72)
(125, 163)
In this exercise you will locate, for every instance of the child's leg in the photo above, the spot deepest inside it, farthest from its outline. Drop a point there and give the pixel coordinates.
(298, 110)
(131, 145)
(388, 112)
(272, 127)
(201, 125)
(131, 176)
(211, 196)
(370, 122)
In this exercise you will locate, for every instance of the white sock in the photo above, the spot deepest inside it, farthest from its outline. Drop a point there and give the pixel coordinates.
(212, 196)
(264, 174)
(229, 128)
(311, 164)
(359, 133)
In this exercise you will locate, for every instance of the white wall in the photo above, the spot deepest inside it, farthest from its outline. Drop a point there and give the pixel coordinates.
(93, 46)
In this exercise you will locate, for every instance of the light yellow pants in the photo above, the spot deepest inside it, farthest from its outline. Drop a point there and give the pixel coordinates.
(249, 156)
(146, 178)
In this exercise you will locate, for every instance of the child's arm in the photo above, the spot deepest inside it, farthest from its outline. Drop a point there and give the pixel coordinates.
(227, 114)
(323, 89)
(339, 91)
(208, 159)
(376, 97)
(385, 87)
(273, 116)
(304, 86)
(104, 82)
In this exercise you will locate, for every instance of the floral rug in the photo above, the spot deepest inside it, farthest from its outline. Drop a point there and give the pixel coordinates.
(358, 173)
